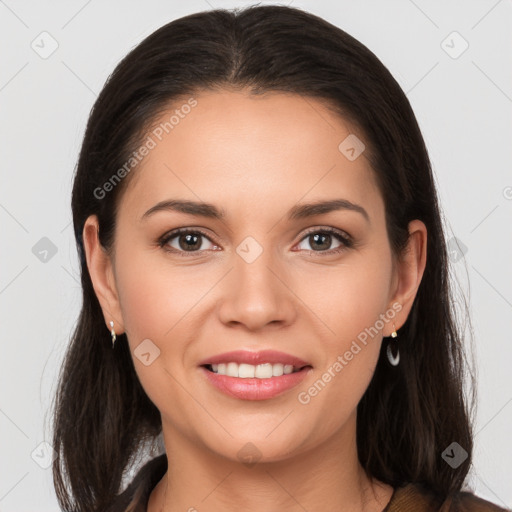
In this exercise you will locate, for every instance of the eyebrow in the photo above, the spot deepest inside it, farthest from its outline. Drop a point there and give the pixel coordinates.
(299, 211)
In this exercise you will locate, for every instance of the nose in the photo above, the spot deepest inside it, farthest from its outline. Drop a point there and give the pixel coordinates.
(257, 294)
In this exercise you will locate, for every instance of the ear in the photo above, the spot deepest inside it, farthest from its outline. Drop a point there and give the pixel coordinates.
(102, 275)
(409, 271)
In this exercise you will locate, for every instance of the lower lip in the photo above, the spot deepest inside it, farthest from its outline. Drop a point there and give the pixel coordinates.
(255, 389)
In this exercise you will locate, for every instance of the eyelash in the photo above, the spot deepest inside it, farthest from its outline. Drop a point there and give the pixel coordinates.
(346, 241)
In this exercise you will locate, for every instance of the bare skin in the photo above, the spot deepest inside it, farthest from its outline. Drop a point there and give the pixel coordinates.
(256, 158)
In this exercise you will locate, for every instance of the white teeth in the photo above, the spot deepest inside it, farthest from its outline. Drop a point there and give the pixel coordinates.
(249, 371)
(277, 370)
(232, 370)
(263, 371)
(244, 371)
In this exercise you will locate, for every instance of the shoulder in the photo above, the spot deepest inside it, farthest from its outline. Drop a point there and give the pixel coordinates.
(415, 497)
(466, 501)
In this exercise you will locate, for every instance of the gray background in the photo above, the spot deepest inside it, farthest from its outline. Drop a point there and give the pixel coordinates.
(463, 102)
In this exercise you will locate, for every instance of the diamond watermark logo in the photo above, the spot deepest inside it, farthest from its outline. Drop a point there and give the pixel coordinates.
(456, 249)
(352, 147)
(249, 455)
(45, 45)
(454, 455)
(43, 455)
(146, 352)
(454, 45)
(249, 249)
(44, 250)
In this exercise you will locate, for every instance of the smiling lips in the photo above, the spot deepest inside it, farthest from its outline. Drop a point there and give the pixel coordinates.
(255, 375)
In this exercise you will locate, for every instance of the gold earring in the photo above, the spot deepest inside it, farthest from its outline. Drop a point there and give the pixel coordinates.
(113, 334)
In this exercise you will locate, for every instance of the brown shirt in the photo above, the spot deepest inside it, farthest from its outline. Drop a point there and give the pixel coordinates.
(410, 498)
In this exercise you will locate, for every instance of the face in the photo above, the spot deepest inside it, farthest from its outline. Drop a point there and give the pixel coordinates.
(315, 287)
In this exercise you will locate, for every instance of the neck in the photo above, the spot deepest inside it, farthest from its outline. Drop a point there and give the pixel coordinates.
(328, 477)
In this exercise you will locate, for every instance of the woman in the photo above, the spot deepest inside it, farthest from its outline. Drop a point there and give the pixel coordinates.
(253, 207)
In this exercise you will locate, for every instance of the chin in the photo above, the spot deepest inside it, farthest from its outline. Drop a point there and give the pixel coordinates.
(259, 446)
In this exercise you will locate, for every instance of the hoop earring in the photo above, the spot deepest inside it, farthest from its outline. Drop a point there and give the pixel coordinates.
(393, 347)
(113, 334)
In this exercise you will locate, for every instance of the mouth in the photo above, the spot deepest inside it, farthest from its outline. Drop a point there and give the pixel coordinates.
(248, 375)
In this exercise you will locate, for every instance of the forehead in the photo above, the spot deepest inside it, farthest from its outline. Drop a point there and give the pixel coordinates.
(254, 151)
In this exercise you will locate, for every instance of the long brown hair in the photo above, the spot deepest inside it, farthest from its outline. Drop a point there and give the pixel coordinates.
(409, 413)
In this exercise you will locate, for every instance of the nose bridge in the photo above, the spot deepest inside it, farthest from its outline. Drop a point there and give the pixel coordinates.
(252, 266)
(255, 296)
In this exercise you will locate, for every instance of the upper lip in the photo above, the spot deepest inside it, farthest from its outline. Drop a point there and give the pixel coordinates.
(255, 358)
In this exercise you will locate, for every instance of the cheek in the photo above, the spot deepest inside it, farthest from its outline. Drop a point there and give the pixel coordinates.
(142, 304)
(154, 301)
(353, 307)
(160, 301)
(156, 295)
(349, 298)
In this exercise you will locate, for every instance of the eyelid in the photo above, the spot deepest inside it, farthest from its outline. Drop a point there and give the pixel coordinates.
(327, 229)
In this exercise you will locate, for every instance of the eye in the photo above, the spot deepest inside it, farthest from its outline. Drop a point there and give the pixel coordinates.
(321, 239)
(184, 240)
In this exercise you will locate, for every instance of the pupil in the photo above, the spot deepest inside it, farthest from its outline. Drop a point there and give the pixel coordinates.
(319, 236)
(190, 241)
